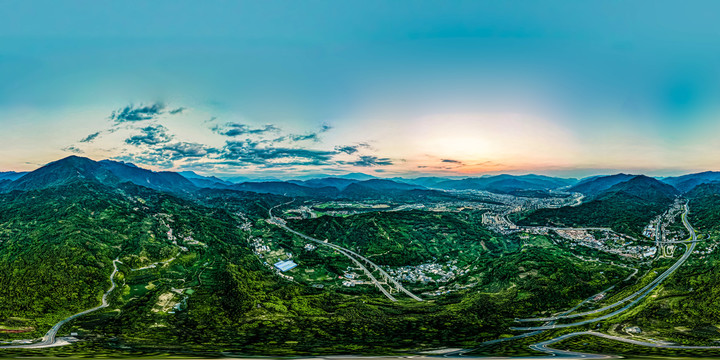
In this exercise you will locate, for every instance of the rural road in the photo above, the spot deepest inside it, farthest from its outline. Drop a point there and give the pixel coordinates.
(50, 339)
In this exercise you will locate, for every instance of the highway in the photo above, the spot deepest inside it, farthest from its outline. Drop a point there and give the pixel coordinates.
(549, 321)
(352, 256)
(50, 337)
(642, 292)
(544, 346)
(462, 352)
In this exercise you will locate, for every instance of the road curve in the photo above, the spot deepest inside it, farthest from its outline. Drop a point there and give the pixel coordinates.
(544, 346)
(50, 337)
(462, 352)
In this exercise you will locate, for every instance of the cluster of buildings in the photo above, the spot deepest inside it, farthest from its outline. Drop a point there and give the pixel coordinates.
(611, 242)
(642, 251)
(443, 290)
(300, 213)
(579, 235)
(498, 222)
(651, 230)
(705, 252)
(170, 234)
(659, 228)
(334, 208)
(426, 273)
(350, 278)
(258, 246)
(189, 240)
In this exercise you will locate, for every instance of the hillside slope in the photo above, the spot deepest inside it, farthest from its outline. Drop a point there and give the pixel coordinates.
(626, 207)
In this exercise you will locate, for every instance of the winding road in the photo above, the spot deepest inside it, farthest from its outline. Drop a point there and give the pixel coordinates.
(544, 345)
(641, 293)
(50, 338)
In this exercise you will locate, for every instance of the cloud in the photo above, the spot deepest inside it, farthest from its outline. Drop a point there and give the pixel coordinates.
(261, 147)
(151, 135)
(312, 136)
(179, 110)
(451, 161)
(185, 150)
(351, 149)
(156, 159)
(237, 129)
(131, 113)
(90, 137)
(346, 149)
(370, 160)
(249, 152)
(73, 150)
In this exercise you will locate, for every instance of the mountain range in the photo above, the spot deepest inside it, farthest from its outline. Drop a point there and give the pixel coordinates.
(625, 206)
(112, 173)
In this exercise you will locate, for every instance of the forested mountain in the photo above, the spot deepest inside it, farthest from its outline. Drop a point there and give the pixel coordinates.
(506, 184)
(338, 183)
(56, 244)
(388, 190)
(688, 182)
(11, 175)
(205, 181)
(595, 185)
(406, 237)
(111, 173)
(705, 205)
(286, 189)
(189, 278)
(331, 188)
(625, 207)
(427, 181)
(382, 184)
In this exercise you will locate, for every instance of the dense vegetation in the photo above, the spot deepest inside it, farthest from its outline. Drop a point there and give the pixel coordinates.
(704, 205)
(408, 237)
(214, 294)
(626, 207)
(190, 281)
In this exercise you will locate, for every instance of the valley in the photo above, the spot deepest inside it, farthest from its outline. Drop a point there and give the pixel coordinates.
(146, 262)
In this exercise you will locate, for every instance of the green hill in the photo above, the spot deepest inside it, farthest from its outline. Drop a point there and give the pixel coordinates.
(625, 207)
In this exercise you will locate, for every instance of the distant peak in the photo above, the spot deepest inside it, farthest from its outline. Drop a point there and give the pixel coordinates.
(74, 158)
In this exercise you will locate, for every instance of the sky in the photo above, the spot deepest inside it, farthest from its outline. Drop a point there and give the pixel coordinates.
(389, 88)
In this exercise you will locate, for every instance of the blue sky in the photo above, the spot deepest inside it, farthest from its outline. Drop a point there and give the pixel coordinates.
(566, 88)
